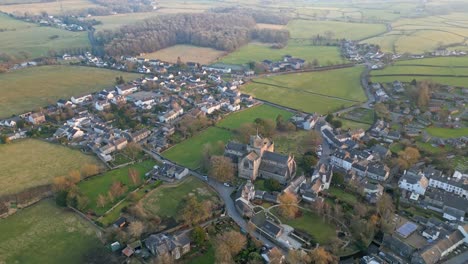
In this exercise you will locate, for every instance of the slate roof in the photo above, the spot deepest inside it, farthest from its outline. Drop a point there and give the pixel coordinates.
(271, 228)
(276, 157)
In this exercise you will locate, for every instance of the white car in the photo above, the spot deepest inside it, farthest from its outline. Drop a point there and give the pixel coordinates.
(227, 184)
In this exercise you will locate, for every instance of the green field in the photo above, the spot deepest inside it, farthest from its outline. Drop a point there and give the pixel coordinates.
(27, 89)
(44, 233)
(237, 119)
(100, 184)
(438, 61)
(189, 152)
(166, 200)
(343, 196)
(349, 124)
(310, 91)
(29, 162)
(259, 52)
(36, 41)
(306, 29)
(447, 132)
(314, 225)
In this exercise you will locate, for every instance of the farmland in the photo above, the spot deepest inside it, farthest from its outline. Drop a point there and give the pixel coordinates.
(22, 39)
(166, 201)
(100, 184)
(44, 233)
(27, 89)
(24, 164)
(313, 91)
(450, 71)
(235, 120)
(187, 53)
(306, 29)
(259, 52)
(189, 152)
(52, 7)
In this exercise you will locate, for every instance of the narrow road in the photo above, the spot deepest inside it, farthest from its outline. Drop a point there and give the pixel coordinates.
(224, 193)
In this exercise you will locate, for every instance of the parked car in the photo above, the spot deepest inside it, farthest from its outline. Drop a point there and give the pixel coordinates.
(227, 184)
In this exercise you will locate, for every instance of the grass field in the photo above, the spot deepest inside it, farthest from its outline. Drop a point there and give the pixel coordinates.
(310, 91)
(438, 61)
(349, 124)
(189, 152)
(100, 184)
(259, 52)
(447, 132)
(29, 162)
(28, 89)
(343, 196)
(313, 224)
(166, 201)
(187, 53)
(44, 233)
(34, 40)
(52, 7)
(237, 119)
(119, 20)
(306, 29)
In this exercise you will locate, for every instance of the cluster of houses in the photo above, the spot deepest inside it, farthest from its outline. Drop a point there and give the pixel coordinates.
(51, 21)
(288, 63)
(363, 53)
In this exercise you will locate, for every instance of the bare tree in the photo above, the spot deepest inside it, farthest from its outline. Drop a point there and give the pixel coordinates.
(136, 228)
(221, 168)
(288, 205)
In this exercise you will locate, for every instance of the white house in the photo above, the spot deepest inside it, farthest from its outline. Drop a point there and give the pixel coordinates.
(310, 121)
(457, 184)
(81, 99)
(342, 159)
(101, 105)
(126, 89)
(453, 214)
(8, 123)
(412, 182)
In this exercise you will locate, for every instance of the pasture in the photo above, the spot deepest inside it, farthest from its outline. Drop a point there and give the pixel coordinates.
(44, 233)
(306, 29)
(166, 201)
(258, 52)
(100, 184)
(237, 119)
(189, 152)
(28, 163)
(187, 53)
(28, 89)
(320, 92)
(52, 7)
(21, 39)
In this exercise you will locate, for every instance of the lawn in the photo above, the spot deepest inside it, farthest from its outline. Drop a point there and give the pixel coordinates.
(306, 29)
(343, 196)
(52, 7)
(249, 115)
(349, 124)
(207, 257)
(321, 92)
(189, 152)
(447, 132)
(166, 201)
(187, 53)
(100, 184)
(259, 52)
(313, 224)
(44, 233)
(27, 89)
(29, 162)
(36, 41)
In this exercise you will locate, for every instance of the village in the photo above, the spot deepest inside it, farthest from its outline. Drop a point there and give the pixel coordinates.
(151, 113)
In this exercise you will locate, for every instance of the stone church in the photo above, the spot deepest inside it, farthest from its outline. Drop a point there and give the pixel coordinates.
(258, 159)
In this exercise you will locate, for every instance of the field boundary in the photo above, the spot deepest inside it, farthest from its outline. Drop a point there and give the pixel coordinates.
(420, 75)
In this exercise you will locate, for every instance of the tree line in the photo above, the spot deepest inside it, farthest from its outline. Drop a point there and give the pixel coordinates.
(219, 31)
(260, 16)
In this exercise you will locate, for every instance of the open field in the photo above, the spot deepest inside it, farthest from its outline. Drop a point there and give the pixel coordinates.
(349, 124)
(100, 184)
(166, 201)
(27, 89)
(320, 92)
(306, 29)
(270, 26)
(438, 61)
(237, 119)
(44, 233)
(313, 224)
(36, 41)
(119, 20)
(29, 162)
(189, 152)
(52, 7)
(447, 132)
(258, 52)
(187, 53)
(455, 81)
